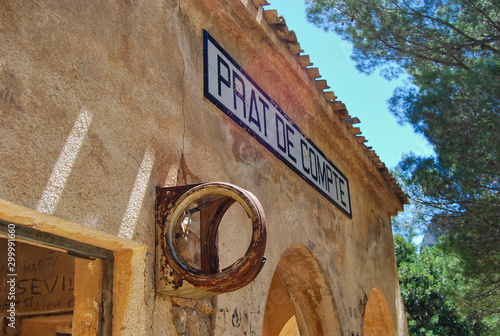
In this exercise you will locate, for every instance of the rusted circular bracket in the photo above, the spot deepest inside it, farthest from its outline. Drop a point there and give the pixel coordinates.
(177, 277)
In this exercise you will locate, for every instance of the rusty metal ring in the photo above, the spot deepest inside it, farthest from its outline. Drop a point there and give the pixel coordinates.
(244, 269)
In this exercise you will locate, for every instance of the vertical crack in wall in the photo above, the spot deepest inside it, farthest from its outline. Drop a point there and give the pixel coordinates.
(190, 316)
(153, 315)
(183, 113)
(182, 104)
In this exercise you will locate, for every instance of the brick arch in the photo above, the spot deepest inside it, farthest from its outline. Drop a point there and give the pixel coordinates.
(377, 319)
(307, 295)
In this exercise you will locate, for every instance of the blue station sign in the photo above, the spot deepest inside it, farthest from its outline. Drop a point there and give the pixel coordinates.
(232, 90)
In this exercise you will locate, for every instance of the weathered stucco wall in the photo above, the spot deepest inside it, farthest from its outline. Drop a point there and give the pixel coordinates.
(100, 102)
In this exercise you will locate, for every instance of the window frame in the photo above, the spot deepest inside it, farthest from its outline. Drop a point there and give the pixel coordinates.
(80, 250)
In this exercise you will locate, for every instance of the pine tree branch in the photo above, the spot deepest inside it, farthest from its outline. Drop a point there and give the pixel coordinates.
(414, 12)
(423, 57)
(479, 10)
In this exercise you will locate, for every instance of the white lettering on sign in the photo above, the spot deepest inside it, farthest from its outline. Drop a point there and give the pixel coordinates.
(237, 95)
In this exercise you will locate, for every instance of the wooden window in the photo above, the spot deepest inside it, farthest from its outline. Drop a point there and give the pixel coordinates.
(62, 287)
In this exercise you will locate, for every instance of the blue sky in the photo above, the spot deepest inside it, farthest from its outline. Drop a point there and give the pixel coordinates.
(364, 96)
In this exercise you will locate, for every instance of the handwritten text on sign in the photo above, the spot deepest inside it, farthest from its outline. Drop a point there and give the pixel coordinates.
(237, 95)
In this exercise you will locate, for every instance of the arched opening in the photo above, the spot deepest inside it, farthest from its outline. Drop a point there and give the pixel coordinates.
(377, 319)
(278, 308)
(300, 300)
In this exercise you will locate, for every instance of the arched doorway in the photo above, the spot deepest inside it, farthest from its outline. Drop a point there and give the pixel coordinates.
(377, 319)
(299, 299)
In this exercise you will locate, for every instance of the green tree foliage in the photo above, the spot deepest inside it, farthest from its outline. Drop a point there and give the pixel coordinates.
(427, 292)
(412, 34)
(450, 52)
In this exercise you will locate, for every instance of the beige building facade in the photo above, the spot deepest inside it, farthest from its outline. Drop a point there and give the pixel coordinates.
(103, 104)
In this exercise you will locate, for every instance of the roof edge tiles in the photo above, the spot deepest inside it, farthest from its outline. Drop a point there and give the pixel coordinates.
(282, 31)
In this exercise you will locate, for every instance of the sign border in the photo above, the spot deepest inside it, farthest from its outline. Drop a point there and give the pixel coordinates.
(207, 37)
